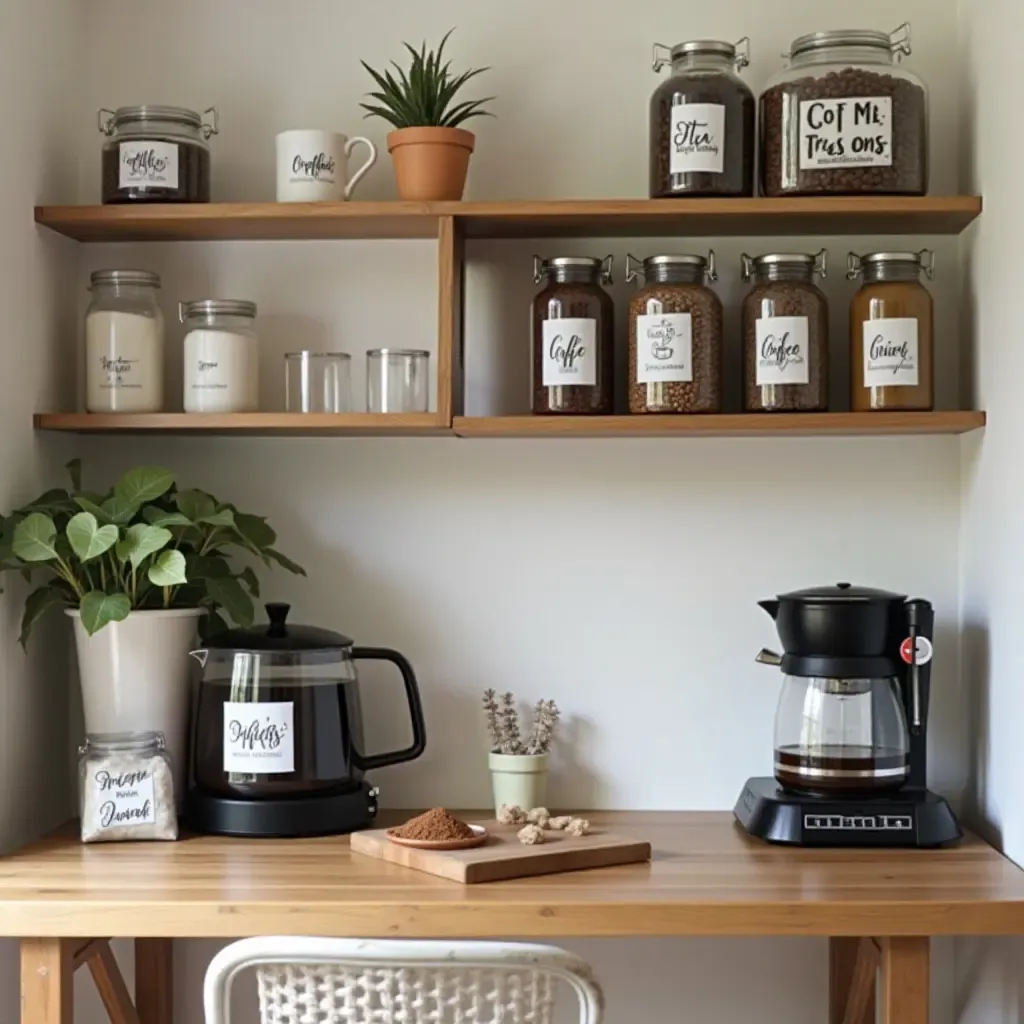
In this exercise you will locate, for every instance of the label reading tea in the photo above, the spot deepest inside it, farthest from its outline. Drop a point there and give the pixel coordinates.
(148, 165)
(890, 353)
(570, 351)
(664, 348)
(123, 798)
(782, 350)
(259, 738)
(697, 138)
(855, 132)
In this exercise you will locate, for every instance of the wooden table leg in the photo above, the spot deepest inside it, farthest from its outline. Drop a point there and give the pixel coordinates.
(905, 980)
(852, 970)
(153, 981)
(47, 981)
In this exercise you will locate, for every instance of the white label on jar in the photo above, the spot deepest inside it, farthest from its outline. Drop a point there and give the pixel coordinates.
(124, 362)
(697, 140)
(782, 350)
(259, 739)
(123, 798)
(148, 164)
(854, 132)
(570, 351)
(890, 352)
(221, 371)
(664, 348)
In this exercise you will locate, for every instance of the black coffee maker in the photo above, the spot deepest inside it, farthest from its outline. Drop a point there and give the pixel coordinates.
(851, 725)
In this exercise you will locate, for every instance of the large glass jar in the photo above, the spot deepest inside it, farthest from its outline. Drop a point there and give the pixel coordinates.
(124, 343)
(221, 372)
(843, 119)
(573, 336)
(891, 332)
(675, 336)
(785, 334)
(702, 121)
(156, 155)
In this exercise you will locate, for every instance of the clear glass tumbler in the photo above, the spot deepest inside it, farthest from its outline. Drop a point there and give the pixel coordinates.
(396, 380)
(318, 381)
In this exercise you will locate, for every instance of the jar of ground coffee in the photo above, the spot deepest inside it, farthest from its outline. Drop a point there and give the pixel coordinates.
(573, 336)
(891, 337)
(675, 336)
(156, 154)
(785, 334)
(843, 119)
(702, 121)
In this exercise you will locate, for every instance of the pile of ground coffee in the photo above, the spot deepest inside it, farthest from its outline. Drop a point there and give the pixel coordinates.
(436, 825)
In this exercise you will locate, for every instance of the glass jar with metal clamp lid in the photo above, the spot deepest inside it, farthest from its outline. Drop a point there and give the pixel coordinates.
(675, 336)
(702, 121)
(573, 336)
(156, 154)
(785, 333)
(891, 332)
(221, 355)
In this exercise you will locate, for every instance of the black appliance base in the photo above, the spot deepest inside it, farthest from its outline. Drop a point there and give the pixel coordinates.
(906, 817)
(332, 815)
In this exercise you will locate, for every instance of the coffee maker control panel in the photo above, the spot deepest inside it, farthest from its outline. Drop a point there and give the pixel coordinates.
(858, 822)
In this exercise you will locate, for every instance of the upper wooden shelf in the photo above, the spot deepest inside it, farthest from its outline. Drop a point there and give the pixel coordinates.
(692, 218)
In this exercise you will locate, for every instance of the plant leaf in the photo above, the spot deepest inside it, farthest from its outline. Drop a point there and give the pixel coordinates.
(211, 624)
(141, 541)
(254, 531)
(35, 537)
(195, 504)
(87, 538)
(53, 502)
(251, 580)
(156, 516)
(74, 468)
(142, 484)
(37, 604)
(235, 601)
(119, 511)
(88, 505)
(207, 567)
(222, 517)
(285, 562)
(98, 609)
(168, 570)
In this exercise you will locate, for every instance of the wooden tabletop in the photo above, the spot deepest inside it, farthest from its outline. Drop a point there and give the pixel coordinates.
(707, 878)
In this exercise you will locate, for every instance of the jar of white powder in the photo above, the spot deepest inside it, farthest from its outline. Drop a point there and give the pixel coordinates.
(221, 355)
(124, 343)
(126, 788)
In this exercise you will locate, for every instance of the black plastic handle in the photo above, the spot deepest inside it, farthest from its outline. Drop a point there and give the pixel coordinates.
(412, 692)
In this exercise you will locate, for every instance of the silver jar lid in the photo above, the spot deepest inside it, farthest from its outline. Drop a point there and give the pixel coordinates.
(216, 307)
(144, 278)
(738, 53)
(896, 42)
(705, 264)
(814, 263)
(110, 120)
(924, 259)
(601, 269)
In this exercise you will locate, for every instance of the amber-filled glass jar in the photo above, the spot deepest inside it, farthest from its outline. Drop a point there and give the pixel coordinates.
(573, 320)
(891, 333)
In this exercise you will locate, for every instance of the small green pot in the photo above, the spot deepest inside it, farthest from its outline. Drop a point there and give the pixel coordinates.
(519, 779)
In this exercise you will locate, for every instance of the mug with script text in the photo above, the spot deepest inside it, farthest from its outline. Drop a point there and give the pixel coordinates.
(312, 166)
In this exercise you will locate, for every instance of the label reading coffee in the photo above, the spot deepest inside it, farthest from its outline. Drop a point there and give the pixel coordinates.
(664, 348)
(148, 165)
(570, 351)
(697, 138)
(855, 132)
(890, 352)
(782, 350)
(123, 798)
(259, 738)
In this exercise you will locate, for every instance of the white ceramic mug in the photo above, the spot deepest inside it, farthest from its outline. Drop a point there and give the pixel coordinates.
(312, 166)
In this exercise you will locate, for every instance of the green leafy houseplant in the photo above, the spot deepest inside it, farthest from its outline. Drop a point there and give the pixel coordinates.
(143, 545)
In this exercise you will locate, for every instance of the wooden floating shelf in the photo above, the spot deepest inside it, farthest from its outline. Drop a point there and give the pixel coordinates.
(583, 218)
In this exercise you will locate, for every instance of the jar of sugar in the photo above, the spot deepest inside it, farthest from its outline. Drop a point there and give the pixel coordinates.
(221, 355)
(124, 343)
(126, 789)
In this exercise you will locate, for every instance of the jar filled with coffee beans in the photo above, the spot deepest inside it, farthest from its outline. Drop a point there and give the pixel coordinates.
(156, 154)
(702, 121)
(675, 336)
(843, 119)
(891, 334)
(785, 334)
(573, 336)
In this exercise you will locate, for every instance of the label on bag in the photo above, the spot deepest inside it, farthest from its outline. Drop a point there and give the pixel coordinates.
(891, 352)
(259, 739)
(697, 138)
(854, 132)
(148, 165)
(664, 348)
(123, 798)
(782, 350)
(570, 351)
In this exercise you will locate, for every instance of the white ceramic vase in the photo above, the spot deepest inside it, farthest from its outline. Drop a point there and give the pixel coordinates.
(519, 779)
(135, 678)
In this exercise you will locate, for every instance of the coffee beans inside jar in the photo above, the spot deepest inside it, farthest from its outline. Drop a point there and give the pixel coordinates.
(573, 336)
(843, 119)
(785, 334)
(702, 122)
(675, 336)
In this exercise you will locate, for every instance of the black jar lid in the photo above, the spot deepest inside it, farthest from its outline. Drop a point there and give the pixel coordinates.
(278, 635)
(842, 593)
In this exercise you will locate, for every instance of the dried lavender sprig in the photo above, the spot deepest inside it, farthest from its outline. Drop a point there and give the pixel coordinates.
(494, 725)
(512, 742)
(546, 715)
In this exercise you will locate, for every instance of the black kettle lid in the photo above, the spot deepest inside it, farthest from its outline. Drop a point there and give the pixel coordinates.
(842, 593)
(279, 635)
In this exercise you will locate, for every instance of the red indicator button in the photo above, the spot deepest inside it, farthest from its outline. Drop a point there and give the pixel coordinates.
(922, 650)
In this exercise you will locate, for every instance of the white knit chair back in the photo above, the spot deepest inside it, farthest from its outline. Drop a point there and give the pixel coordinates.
(356, 981)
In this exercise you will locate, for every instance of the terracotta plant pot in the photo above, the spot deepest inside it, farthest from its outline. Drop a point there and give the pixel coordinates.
(431, 163)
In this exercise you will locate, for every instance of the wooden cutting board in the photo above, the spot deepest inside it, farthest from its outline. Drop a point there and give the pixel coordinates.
(503, 856)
